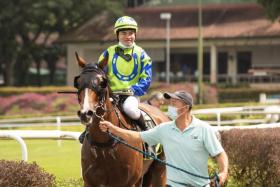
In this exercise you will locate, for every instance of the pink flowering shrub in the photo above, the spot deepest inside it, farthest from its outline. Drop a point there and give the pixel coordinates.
(33, 103)
(210, 94)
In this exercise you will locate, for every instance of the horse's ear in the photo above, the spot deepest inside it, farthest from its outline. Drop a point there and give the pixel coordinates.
(80, 60)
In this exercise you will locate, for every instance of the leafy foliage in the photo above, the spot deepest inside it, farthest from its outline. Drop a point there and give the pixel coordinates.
(21, 174)
(29, 29)
(253, 156)
(33, 103)
(272, 8)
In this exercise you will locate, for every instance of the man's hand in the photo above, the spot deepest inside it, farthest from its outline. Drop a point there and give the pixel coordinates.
(222, 180)
(106, 126)
(127, 135)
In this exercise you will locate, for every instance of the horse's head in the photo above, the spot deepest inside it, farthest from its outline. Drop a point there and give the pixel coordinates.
(92, 89)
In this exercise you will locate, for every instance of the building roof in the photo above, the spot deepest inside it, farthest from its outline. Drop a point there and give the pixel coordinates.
(219, 21)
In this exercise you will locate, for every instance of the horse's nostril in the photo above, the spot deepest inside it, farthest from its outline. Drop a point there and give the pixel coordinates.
(90, 113)
(79, 113)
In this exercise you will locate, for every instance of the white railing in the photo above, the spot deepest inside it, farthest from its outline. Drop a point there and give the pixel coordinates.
(59, 121)
(19, 135)
(24, 154)
(259, 126)
(253, 110)
(41, 121)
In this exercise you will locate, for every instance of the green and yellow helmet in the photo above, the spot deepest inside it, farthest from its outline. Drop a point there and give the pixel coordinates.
(125, 22)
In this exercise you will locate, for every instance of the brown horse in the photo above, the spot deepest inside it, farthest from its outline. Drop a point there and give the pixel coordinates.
(106, 163)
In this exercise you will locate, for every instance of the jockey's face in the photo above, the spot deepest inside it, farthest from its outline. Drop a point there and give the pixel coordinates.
(127, 37)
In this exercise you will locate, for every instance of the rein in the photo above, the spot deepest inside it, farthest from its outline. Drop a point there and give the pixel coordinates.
(215, 176)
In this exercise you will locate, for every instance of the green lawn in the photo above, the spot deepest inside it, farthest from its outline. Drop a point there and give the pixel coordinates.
(62, 161)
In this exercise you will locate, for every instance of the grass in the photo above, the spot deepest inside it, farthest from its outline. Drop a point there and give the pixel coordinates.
(62, 161)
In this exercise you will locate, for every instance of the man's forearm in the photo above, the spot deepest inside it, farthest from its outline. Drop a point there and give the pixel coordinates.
(222, 161)
(127, 135)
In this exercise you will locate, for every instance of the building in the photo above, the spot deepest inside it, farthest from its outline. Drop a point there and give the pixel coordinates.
(240, 43)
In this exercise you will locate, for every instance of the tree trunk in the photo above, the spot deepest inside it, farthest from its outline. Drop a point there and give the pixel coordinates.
(8, 73)
(38, 75)
(51, 67)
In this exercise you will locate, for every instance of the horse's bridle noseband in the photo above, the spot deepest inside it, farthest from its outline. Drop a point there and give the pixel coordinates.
(102, 106)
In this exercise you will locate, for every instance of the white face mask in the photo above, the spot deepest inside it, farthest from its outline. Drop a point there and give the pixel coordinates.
(125, 46)
(172, 112)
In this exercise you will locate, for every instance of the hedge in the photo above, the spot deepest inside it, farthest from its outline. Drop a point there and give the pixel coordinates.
(22, 174)
(8, 91)
(243, 94)
(253, 156)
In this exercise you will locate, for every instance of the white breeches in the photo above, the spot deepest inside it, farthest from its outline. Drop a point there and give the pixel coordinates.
(130, 107)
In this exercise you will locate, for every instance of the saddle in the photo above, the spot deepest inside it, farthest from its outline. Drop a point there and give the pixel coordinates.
(150, 121)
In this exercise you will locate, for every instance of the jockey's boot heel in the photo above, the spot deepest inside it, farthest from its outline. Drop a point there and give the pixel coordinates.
(141, 123)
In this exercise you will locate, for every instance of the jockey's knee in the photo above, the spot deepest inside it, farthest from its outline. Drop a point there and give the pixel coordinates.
(130, 107)
(133, 113)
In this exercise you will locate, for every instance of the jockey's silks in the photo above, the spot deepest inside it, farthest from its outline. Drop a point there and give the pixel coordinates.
(125, 73)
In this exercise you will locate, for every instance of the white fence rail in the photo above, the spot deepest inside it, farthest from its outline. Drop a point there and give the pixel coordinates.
(58, 121)
(41, 121)
(271, 113)
(19, 135)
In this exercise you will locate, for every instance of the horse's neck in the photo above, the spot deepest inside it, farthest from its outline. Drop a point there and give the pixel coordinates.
(115, 116)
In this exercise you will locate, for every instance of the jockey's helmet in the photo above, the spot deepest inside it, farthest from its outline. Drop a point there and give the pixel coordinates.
(125, 22)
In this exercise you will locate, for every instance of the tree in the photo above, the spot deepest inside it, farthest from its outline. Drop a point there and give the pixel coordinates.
(28, 30)
(272, 8)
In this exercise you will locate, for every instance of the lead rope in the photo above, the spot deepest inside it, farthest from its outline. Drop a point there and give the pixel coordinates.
(216, 176)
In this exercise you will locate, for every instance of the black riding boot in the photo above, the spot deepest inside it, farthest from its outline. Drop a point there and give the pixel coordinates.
(141, 123)
(82, 137)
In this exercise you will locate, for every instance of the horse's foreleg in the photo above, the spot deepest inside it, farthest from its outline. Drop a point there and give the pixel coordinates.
(86, 184)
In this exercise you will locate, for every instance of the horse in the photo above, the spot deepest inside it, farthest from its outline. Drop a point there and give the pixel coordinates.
(106, 162)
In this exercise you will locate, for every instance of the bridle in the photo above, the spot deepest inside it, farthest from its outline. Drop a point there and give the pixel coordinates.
(93, 84)
(100, 109)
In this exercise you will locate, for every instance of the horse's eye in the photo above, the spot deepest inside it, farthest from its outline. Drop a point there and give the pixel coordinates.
(103, 83)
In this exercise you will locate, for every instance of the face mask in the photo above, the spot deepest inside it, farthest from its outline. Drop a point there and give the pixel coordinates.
(172, 112)
(125, 46)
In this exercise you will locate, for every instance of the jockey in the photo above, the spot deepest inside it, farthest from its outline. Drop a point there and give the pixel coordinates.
(128, 67)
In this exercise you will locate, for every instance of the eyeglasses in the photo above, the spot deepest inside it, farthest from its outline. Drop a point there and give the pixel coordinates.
(120, 52)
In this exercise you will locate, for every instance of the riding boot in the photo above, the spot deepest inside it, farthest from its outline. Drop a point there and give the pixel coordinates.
(82, 137)
(141, 123)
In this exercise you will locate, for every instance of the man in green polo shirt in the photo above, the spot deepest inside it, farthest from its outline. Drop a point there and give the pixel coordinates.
(187, 142)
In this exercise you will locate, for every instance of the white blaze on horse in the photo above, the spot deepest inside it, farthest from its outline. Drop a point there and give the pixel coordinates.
(106, 162)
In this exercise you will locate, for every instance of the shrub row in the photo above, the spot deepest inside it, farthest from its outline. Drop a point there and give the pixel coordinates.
(22, 174)
(243, 94)
(211, 94)
(253, 156)
(36, 104)
(8, 91)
